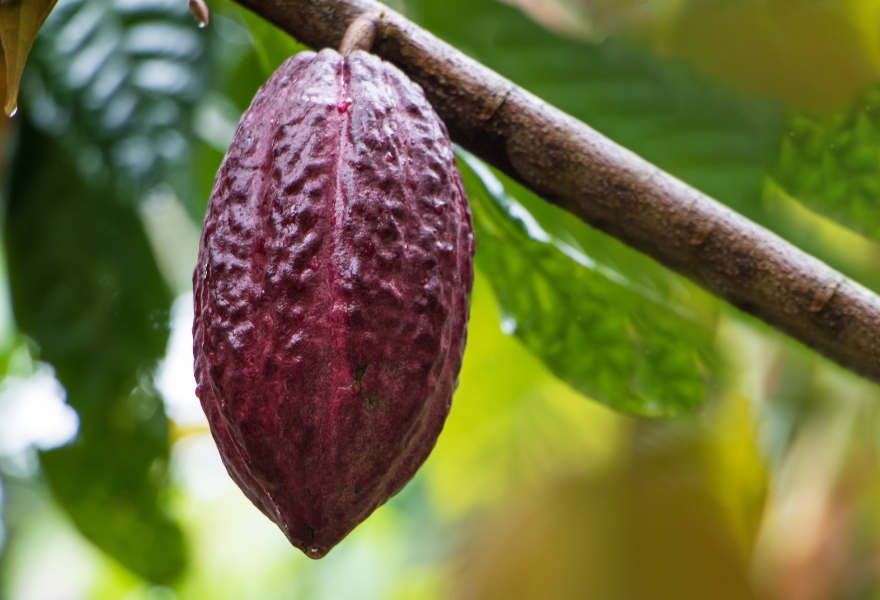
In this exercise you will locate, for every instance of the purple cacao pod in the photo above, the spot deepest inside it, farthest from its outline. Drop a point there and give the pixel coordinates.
(331, 293)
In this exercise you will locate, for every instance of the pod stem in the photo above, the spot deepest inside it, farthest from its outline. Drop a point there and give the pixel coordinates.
(361, 34)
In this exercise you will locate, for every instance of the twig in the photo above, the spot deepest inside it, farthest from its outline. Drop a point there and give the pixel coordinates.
(571, 165)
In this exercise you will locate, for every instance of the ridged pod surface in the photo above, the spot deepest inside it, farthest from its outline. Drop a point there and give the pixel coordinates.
(331, 293)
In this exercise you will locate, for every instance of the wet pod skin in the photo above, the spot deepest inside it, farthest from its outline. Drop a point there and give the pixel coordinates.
(331, 293)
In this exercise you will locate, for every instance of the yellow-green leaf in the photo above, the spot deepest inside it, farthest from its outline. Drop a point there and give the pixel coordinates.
(20, 21)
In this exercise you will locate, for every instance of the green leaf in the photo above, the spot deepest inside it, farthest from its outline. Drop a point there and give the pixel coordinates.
(86, 288)
(120, 84)
(513, 424)
(605, 336)
(20, 22)
(832, 163)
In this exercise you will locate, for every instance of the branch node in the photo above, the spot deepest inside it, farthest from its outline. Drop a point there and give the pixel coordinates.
(702, 232)
(824, 295)
(361, 34)
(495, 101)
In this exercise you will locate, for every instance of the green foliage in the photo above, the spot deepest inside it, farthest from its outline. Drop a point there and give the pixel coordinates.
(605, 336)
(86, 288)
(510, 415)
(833, 163)
(118, 83)
(271, 47)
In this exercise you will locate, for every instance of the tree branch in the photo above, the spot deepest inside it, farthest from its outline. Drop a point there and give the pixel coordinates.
(610, 188)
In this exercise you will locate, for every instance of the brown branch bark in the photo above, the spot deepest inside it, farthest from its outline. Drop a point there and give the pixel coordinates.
(610, 188)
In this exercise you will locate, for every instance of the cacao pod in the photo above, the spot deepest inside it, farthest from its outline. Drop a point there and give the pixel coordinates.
(331, 293)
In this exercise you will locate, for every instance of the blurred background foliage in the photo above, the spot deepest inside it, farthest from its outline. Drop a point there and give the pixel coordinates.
(617, 433)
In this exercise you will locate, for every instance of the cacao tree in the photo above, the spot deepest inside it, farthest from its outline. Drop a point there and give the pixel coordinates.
(673, 327)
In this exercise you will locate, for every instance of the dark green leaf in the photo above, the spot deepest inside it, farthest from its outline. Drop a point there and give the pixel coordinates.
(710, 136)
(85, 287)
(119, 83)
(272, 46)
(604, 335)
